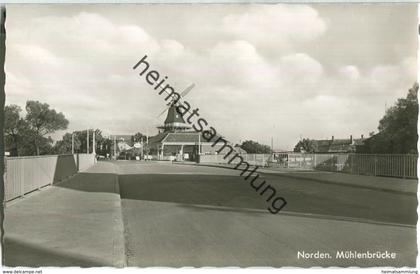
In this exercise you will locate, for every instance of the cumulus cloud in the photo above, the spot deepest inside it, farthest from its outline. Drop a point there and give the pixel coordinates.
(276, 25)
(253, 78)
(350, 72)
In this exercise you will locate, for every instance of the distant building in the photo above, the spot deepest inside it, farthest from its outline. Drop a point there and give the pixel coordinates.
(125, 147)
(124, 142)
(176, 140)
(333, 145)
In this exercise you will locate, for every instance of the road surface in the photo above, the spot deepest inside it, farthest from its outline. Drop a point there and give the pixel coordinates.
(160, 214)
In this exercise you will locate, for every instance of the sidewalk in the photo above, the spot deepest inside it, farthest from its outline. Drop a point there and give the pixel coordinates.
(390, 184)
(53, 227)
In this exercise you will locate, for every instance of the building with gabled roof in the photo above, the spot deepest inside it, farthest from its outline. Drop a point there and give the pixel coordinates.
(177, 140)
(337, 145)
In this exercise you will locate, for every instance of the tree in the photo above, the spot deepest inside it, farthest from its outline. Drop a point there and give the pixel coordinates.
(63, 146)
(19, 136)
(105, 148)
(305, 145)
(14, 126)
(80, 136)
(398, 127)
(27, 147)
(136, 138)
(101, 144)
(43, 120)
(254, 147)
(139, 151)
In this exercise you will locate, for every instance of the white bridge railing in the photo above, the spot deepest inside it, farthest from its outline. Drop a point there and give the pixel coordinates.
(252, 159)
(26, 174)
(391, 165)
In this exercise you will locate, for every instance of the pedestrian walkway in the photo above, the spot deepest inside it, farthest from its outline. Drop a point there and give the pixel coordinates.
(76, 223)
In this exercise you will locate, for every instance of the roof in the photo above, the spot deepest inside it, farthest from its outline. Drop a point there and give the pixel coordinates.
(180, 137)
(175, 137)
(359, 142)
(173, 116)
(157, 138)
(124, 138)
(183, 137)
(337, 145)
(341, 145)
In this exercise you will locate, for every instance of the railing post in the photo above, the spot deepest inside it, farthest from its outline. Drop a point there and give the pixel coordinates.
(4, 180)
(404, 173)
(375, 160)
(22, 174)
(331, 162)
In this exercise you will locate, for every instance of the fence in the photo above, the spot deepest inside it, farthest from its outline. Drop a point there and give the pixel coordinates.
(26, 174)
(392, 165)
(252, 159)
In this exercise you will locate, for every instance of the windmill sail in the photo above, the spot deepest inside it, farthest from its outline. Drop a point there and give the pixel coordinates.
(182, 95)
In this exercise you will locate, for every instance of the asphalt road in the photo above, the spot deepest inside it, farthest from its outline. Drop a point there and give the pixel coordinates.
(162, 214)
(177, 215)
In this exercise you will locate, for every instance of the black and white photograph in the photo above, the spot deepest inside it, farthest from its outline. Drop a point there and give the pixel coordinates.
(265, 135)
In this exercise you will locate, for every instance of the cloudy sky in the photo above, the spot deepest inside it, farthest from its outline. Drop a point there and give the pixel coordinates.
(261, 71)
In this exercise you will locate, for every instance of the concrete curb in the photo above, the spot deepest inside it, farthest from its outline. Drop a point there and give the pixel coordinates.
(119, 256)
(119, 245)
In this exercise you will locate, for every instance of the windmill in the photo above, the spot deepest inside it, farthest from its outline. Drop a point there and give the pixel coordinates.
(174, 121)
(173, 103)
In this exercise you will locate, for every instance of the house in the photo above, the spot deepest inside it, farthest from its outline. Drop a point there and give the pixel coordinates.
(333, 145)
(124, 142)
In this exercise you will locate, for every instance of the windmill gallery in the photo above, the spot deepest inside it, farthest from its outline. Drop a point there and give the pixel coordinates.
(175, 135)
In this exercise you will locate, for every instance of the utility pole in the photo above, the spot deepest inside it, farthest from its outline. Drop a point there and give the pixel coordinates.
(115, 147)
(87, 141)
(147, 143)
(72, 143)
(199, 144)
(272, 148)
(142, 148)
(93, 142)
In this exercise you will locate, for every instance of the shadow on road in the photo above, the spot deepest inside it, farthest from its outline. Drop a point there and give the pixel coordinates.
(235, 194)
(31, 255)
(208, 192)
(91, 182)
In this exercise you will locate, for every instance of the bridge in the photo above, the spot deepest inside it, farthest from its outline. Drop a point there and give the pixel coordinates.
(131, 213)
